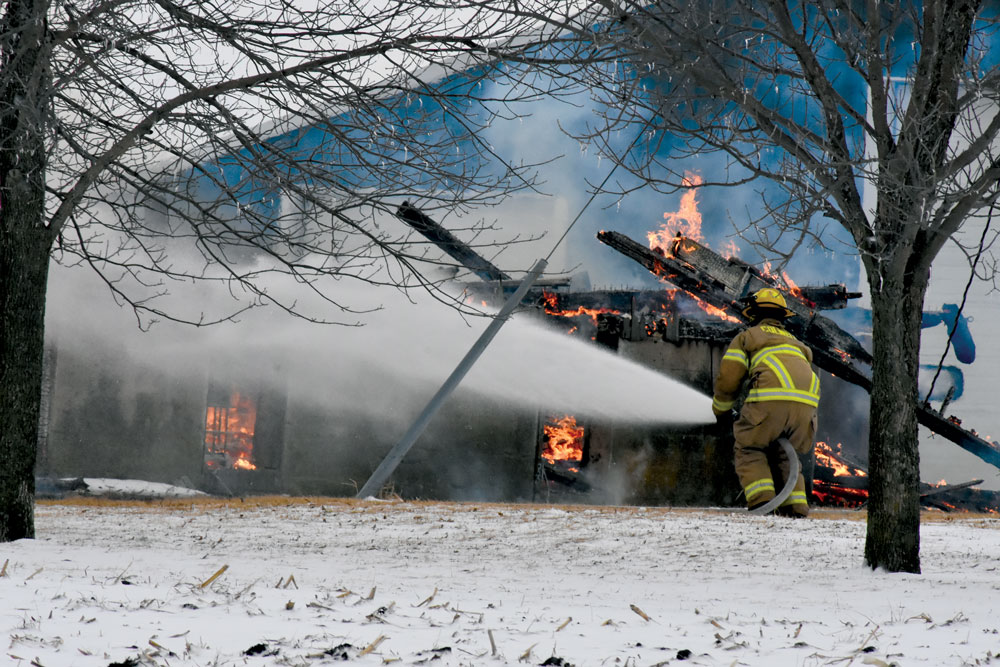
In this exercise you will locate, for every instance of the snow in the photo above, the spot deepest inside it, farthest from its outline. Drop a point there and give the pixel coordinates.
(317, 581)
(137, 488)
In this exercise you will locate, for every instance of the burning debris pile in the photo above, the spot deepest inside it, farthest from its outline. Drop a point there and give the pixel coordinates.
(704, 302)
(563, 451)
(725, 282)
(839, 482)
(229, 428)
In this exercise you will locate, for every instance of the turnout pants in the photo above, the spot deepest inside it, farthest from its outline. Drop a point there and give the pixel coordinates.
(759, 425)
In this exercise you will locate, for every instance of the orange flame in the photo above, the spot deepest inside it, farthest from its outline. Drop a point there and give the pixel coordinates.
(715, 312)
(830, 457)
(551, 304)
(564, 441)
(685, 221)
(229, 433)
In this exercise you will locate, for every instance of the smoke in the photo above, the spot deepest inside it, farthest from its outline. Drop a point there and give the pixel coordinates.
(570, 170)
(389, 366)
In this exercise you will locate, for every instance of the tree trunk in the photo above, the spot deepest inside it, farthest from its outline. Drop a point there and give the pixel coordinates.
(24, 263)
(893, 540)
(25, 242)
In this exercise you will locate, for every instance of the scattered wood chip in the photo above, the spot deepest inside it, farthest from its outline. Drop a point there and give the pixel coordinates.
(371, 595)
(218, 573)
(3, 570)
(35, 572)
(430, 599)
(609, 622)
(345, 594)
(493, 644)
(716, 624)
(374, 645)
(470, 613)
(527, 654)
(290, 604)
(317, 605)
(641, 613)
(291, 582)
(154, 644)
(564, 624)
(797, 631)
(869, 660)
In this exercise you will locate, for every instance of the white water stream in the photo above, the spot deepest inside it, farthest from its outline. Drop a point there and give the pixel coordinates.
(402, 353)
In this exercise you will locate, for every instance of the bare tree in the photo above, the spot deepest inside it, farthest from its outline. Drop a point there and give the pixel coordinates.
(161, 142)
(804, 95)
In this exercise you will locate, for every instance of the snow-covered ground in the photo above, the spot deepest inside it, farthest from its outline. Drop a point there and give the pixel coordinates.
(306, 582)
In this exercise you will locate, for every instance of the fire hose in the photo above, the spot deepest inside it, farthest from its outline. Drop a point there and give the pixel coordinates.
(794, 468)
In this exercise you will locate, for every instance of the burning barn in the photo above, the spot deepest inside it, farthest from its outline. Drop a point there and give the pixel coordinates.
(233, 427)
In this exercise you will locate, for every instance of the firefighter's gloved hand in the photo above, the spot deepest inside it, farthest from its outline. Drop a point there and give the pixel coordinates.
(724, 420)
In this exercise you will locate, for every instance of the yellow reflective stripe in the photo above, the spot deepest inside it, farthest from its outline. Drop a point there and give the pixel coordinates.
(761, 485)
(777, 349)
(796, 498)
(795, 395)
(775, 330)
(722, 406)
(737, 355)
(779, 371)
(814, 387)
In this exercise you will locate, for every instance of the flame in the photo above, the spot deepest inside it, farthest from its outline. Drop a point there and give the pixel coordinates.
(550, 301)
(784, 282)
(830, 457)
(242, 462)
(686, 221)
(715, 312)
(831, 493)
(229, 431)
(564, 440)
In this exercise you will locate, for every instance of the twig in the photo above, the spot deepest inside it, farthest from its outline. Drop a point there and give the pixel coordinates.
(291, 581)
(641, 613)
(218, 573)
(3, 571)
(493, 644)
(371, 647)
(527, 654)
(35, 572)
(371, 596)
(162, 648)
(565, 623)
(430, 599)
(122, 574)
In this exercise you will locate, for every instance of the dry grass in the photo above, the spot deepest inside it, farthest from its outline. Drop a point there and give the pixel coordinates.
(207, 504)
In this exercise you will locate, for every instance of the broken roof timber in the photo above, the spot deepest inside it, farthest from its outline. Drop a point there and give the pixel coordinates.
(723, 283)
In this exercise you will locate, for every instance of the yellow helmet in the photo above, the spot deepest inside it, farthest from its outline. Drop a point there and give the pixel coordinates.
(767, 299)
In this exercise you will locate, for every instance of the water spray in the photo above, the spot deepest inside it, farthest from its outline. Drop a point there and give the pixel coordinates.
(396, 454)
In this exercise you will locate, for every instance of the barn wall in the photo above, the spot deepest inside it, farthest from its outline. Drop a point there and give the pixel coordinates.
(112, 415)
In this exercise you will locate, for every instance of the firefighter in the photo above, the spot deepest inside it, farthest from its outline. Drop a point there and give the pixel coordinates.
(782, 399)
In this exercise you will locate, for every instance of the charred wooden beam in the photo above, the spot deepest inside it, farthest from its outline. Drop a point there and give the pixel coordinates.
(449, 243)
(828, 297)
(723, 283)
